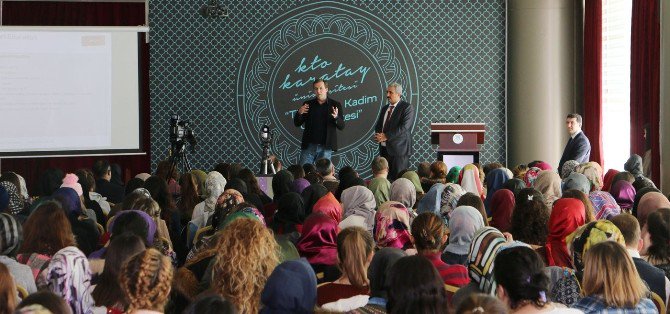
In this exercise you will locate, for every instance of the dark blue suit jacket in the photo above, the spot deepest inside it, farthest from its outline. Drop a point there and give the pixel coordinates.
(398, 129)
(578, 149)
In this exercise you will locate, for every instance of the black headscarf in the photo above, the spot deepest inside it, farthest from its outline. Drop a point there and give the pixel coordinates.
(311, 194)
(290, 212)
(379, 270)
(281, 184)
(515, 185)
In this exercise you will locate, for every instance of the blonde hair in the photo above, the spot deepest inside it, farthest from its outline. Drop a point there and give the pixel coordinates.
(354, 246)
(247, 253)
(146, 279)
(619, 286)
(438, 170)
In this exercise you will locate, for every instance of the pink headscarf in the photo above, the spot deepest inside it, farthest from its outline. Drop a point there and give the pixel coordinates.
(392, 229)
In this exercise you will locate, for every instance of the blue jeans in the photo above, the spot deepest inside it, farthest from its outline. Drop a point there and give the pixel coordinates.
(314, 152)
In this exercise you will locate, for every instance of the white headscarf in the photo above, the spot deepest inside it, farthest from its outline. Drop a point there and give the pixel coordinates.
(215, 184)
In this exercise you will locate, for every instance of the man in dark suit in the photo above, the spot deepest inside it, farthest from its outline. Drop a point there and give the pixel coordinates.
(322, 117)
(393, 131)
(578, 147)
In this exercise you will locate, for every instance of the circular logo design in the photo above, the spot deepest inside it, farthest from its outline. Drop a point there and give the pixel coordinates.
(358, 55)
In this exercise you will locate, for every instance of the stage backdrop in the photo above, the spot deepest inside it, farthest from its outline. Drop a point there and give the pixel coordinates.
(231, 75)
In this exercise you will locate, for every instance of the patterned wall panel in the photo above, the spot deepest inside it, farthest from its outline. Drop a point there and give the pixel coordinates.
(225, 74)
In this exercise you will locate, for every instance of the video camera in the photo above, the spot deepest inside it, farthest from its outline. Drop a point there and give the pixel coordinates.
(180, 131)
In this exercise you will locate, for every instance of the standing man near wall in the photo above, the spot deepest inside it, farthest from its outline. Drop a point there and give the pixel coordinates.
(578, 147)
(393, 131)
(321, 116)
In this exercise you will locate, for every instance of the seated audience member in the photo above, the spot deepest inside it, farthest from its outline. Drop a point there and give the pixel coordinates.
(381, 189)
(577, 181)
(549, 184)
(452, 175)
(146, 280)
(349, 180)
(618, 289)
(359, 208)
(392, 226)
(215, 184)
(638, 195)
(584, 238)
(569, 167)
(487, 168)
(210, 303)
(652, 276)
(495, 180)
(247, 253)
(540, 164)
(404, 192)
(566, 216)
(8, 299)
(634, 166)
(522, 283)
(432, 201)
(311, 195)
(649, 203)
(413, 177)
(160, 193)
(429, 233)
(98, 205)
(415, 286)
(318, 244)
(200, 177)
(624, 195)
(449, 200)
(69, 276)
(519, 171)
(422, 169)
(107, 293)
(326, 169)
(290, 215)
(169, 174)
(297, 171)
(102, 171)
(471, 182)
(656, 238)
(281, 184)
(530, 176)
(253, 187)
(473, 200)
(479, 303)
(43, 302)
(40, 243)
(136, 222)
(49, 181)
(299, 185)
(437, 174)
(486, 245)
(604, 205)
(379, 273)
(609, 177)
(502, 208)
(464, 223)
(11, 235)
(515, 185)
(12, 184)
(354, 253)
(329, 206)
(594, 172)
(291, 288)
(530, 218)
(584, 198)
(190, 197)
(623, 175)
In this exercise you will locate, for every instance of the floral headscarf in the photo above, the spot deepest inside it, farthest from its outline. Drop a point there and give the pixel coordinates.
(392, 226)
(69, 277)
(15, 200)
(530, 176)
(580, 241)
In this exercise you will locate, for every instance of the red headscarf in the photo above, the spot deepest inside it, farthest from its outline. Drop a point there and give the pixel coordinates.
(318, 242)
(329, 205)
(609, 176)
(502, 206)
(566, 216)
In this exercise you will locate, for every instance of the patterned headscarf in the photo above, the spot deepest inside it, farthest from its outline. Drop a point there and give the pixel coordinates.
(543, 165)
(463, 224)
(569, 167)
(530, 176)
(247, 212)
(580, 241)
(594, 173)
(624, 194)
(452, 175)
(567, 215)
(69, 277)
(15, 200)
(329, 205)
(449, 199)
(604, 205)
(215, 185)
(470, 181)
(392, 226)
(11, 234)
(403, 191)
(486, 245)
(358, 200)
(549, 184)
(381, 189)
(318, 241)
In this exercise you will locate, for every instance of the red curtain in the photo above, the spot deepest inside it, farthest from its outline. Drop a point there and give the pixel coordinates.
(593, 38)
(645, 81)
(81, 14)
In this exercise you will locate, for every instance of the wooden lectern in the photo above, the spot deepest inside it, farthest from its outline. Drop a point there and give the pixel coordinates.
(457, 139)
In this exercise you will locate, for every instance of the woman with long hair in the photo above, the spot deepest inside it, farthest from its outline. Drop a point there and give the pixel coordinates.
(7, 291)
(656, 236)
(108, 291)
(41, 242)
(247, 253)
(160, 193)
(530, 218)
(415, 286)
(146, 280)
(354, 253)
(190, 196)
(612, 283)
(522, 283)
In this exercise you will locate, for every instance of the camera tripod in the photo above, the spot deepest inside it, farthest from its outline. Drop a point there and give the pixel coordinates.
(178, 157)
(266, 162)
